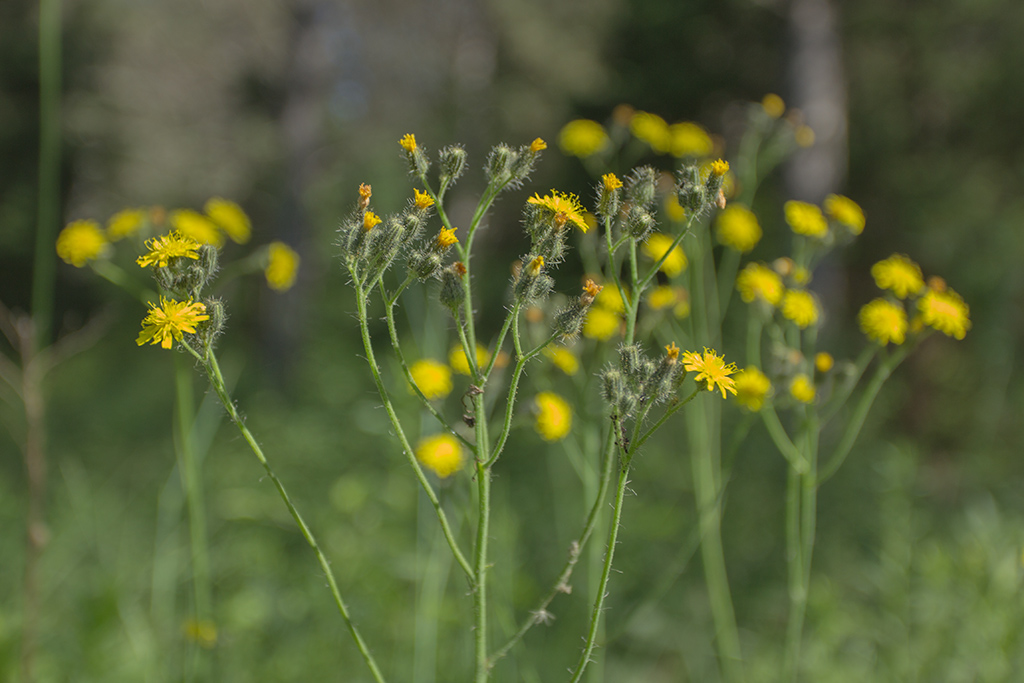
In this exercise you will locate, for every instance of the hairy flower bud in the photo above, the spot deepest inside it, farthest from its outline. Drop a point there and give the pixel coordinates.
(452, 163)
(641, 186)
(453, 286)
(499, 164)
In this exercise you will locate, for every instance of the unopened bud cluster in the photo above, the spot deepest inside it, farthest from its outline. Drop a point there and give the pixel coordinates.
(569, 320)
(531, 284)
(638, 381)
(508, 167)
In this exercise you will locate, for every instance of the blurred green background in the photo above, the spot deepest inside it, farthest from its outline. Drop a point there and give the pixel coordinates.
(285, 107)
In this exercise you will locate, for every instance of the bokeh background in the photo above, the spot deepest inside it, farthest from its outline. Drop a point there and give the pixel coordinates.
(285, 107)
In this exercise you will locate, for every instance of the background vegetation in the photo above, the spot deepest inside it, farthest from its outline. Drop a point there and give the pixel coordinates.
(285, 107)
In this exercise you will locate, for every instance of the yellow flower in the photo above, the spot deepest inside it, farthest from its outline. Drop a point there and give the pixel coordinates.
(370, 220)
(231, 219)
(652, 129)
(899, 275)
(823, 361)
(611, 299)
(582, 138)
(945, 311)
(170, 320)
(81, 242)
(657, 245)
(124, 223)
(282, 266)
(197, 226)
(601, 324)
(883, 321)
(689, 140)
(673, 209)
(662, 296)
(554, 416)
(408, 142)
(611, 182)
(434, 379)
(712, 370)
(773, 105)
(804, 135)
(441, 454)
(719, 167)
(802, 389)
(846, 211)
(737, 228)
(460, 364)
(446, 238)
(170, 246)
(805, 219)
(538, 145)
(422, 200)
(566, 208)
(563, 359)
(682, 309)
(758, 281)
(752, 387)
(799, 306)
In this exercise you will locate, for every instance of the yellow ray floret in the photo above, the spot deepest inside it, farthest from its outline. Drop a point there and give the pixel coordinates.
(167, 323)
(711, 370)
(564, 207)
(170, 246)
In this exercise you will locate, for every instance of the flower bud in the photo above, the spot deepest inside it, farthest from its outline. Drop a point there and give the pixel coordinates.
(639, 223)
(453, 287)
(608, 195)
(499, 164)
(209, 330)
(641, 186)
(453, 164)
(424, 264)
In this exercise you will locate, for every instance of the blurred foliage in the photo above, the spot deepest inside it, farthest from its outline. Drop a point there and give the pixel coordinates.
(286, 107)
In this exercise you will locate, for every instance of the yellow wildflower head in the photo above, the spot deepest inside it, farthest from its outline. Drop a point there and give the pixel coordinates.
(823, 361)
(689, 140)
(370, 220)
(899, 275)
(612, 299)
(945, 311)
(752, 387)
(711, 370)
(554, 416)
(535, 266)
(672, 352)
(846, 211)
(719, 167)
(197, 226)
(563, 359)
(432, 378)
(446, 238)
(652, 129)
(230, 217)
(282, 266)
(883, 321)
(804, 135)
(773, 105)
(657, 245)
(125, 223)
(737, 228)
(81, 242)
(758, 281)
(802, 389)
(538, 145)
(662, 296)
(168, 322)
(805, 219)
(611, 182)
(422, 200)
(170, 246)
(408, 142)
(601, 324)
(799, 306)
(441, 453)
(365, 192)
(564, 208)
(582, 138)
(460, 364)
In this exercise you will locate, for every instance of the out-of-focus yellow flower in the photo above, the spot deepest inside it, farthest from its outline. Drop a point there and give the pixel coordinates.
(432, 378)
(230, 217)
(460, 364)
(805, 219)
(554, 416)
(81, 242)
(125, 222)
(802, 389)
(441, 453)
(823, 361)
(197, 226)
(899, 275)
(799, 306)
(582, 138)
(612, 299)
(773, 105)
(662, 296)
(565, 208)
(883, 321)
(563, 359)
(752, 387)
(845, 211)
(657, 245)
(652, 129)
(601, 323)
(758, 281)
(170, 320)
(945, 311)
(170, 246)
(711, 370)
(737, 228)
(804, 135)
(282, 266)
(689, 140)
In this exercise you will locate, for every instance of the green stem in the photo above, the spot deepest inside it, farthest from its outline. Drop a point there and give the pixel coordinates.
(213, 372)
(794, 565)
(483, 480)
